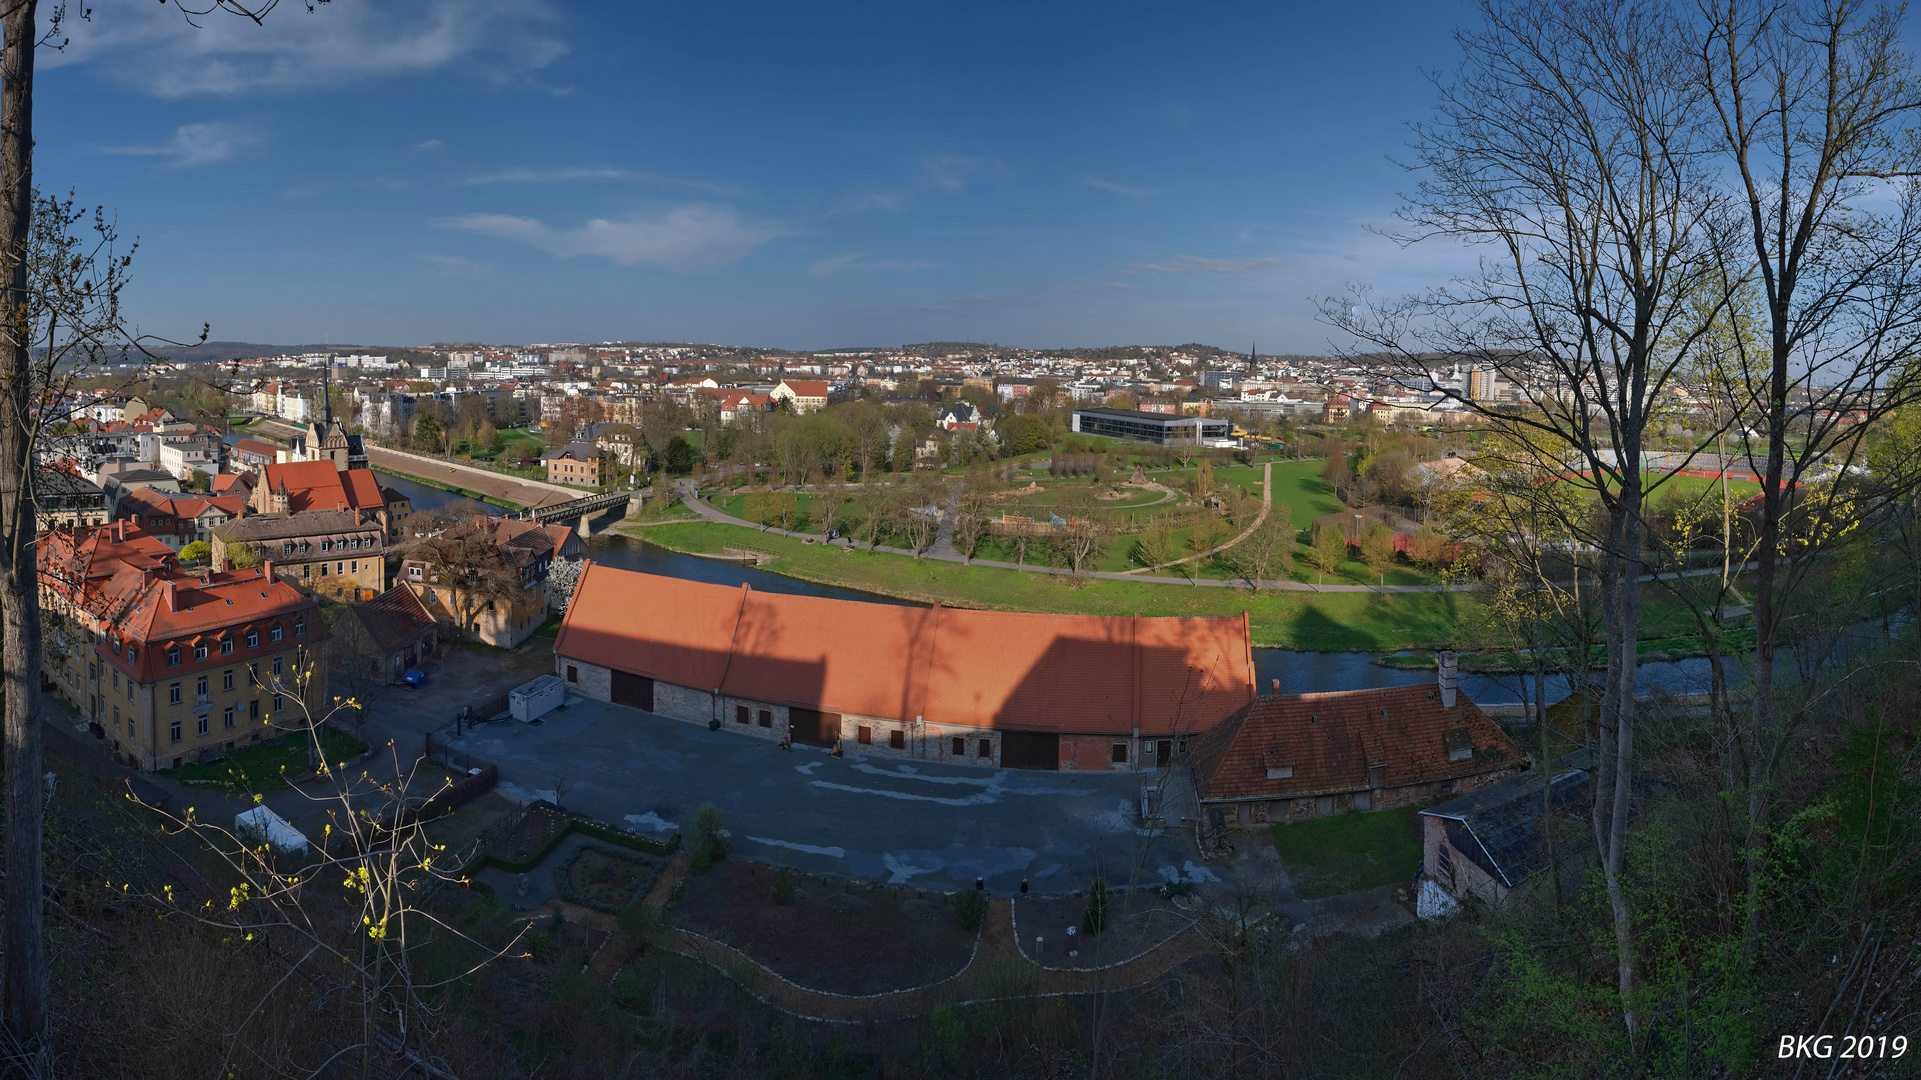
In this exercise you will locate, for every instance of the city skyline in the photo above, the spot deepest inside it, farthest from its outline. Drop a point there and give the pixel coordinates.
(497, 172)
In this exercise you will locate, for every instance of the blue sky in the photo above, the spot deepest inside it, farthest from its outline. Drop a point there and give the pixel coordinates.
(805, 176)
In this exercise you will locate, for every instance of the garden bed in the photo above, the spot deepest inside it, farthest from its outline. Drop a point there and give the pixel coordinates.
(1137, 921)
(834, 935)
(606, 880)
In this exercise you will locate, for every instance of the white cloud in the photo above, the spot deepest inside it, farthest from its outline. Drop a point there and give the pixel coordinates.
(1195, 264)
(1129, 190)
(858, 260)
(195, 144)
(430, 144)
(688, 239)
(155, 47)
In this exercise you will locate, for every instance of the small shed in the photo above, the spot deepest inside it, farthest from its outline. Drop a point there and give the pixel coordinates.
(274, 829)
(536, 699)
(1486, 843)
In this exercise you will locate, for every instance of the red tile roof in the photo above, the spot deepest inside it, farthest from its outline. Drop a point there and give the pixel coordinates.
(814, 388)
(1064, 673)
(321, 485)
(665, 628)
(1330, 740)
(190, 610)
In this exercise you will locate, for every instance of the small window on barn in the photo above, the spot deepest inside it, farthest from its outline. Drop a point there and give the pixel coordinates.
(1120, 753)
(960, 747)
(573, 673)
(742, 714)
(897, 739)
(1280, 772)
(1460, 747)
(767, 718)
(987, 749)
(865, 736)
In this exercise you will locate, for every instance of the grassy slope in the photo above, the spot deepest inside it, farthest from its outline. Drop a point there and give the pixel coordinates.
(1348, 852)
(1295, 620)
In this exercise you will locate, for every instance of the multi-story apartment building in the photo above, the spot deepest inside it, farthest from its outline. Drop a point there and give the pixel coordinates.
(177, 667)
(577, 465)
(335, 553)
(178, 518)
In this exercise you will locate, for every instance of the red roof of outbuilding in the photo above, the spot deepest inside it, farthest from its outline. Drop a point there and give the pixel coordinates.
(1330, 740)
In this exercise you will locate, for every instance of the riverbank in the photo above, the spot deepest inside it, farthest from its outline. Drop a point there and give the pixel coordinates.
(1307, 621)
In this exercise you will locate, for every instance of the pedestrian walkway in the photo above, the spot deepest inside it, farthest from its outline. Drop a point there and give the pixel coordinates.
(998, 969)
(713, 513)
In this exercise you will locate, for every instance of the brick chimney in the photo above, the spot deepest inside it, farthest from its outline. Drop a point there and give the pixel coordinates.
(1447, 662)
(169, 593)
(1277, 687)
(266, 571)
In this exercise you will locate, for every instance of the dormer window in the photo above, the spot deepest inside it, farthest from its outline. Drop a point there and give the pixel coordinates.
(326, 545)
(413, 571)
(274, 633)
(173, 656)
(287, 548)
(253, 639)
(226, 646)
(299, 627)
(199, 652)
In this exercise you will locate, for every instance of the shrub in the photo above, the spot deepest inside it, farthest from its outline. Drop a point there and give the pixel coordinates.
(195, 552)
(783, 887)
(970, 910)
(709, 836)
(1094, 920)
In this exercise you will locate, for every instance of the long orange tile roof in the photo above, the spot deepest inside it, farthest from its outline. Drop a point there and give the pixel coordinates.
(1061, 673)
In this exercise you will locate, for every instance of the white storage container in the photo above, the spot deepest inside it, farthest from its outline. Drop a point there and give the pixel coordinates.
(536, 699)
(263, 823)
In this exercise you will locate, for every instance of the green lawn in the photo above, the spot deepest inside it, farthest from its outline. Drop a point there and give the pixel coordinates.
(1349, 852)
(1294, 620)
(259, 767)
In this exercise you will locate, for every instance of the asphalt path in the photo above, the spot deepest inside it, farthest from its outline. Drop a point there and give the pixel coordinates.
(880, 818)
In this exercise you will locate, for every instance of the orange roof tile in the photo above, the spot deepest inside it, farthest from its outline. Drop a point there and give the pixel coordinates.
(664, 628)
(1062, 673)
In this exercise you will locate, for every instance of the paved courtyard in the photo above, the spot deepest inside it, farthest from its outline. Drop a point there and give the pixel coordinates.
(880, 818)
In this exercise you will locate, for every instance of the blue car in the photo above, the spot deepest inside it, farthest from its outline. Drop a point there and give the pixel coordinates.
(414, 680)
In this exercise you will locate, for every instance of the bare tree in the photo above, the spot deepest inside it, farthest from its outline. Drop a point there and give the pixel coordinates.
(971, 524)
(1083, 535)
(469, 571)
(1815, 105)
(1572, 144)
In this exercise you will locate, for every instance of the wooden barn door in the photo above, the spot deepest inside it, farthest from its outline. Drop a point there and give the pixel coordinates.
(1030, 750)
(635, 690)
(813, 727)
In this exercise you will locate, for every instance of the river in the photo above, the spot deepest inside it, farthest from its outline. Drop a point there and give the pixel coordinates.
(1299, 672)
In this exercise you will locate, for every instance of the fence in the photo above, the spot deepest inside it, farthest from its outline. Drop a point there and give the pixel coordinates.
(457, 759)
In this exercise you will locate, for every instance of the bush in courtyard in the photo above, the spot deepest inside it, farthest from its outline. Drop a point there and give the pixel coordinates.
(1094, 920)
(709, 836)
(970, 910)
(783, 887)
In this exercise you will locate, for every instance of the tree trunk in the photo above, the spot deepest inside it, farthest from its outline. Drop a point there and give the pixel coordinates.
(25, 971)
